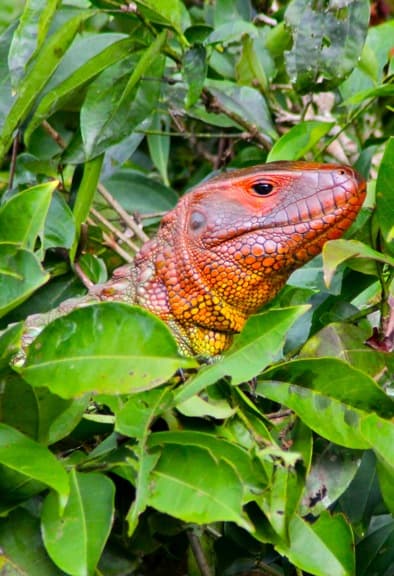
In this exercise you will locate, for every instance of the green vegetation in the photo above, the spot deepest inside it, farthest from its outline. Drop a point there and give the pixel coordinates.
(278, 459)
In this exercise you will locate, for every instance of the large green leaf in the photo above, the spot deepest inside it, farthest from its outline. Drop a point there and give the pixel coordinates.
(37, 412)
(22, 218)
(20, 453)
(337, 251)
(258, 345)
(22, 551)
(327, 41)
(85, 59)
(75, 538)
(103, 348)
(385, 195)
(20, 274)
(299, 140)
(44, 65)
(29, 36)
(332, 398)
(118, 101)
(324, 548)
(188, 483)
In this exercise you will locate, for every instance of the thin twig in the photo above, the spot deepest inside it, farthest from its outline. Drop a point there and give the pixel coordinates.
(118, 233)
(82, 276)
(127, 219)
(110, 242)
(278, 415)
(54, 134)
(199, 555)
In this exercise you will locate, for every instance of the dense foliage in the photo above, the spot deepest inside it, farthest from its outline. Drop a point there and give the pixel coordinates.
(276, 459)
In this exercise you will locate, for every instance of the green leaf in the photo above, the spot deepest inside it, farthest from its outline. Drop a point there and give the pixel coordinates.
(36, 462)
(117, 102)
(22, 551)
(331, 397)
(10, 341)
(22, 218)
(159, 147)
(168, 12)
(44, 66)
(139, 412)
(337, 251)
(84, 60)
(20, 275)
(257, 346)
(29, 36)
(37, 412)
(324, 548)
(188, 483)
(137, 192)
(385, 195)
(231, 32)
(375, 553)
(132, 350)
(245, 102)
(194, 71)
(59, 228)
(327, 42)
(331, 473)
(247, 466)
(299, 140)
(85, 196)
(75, 539)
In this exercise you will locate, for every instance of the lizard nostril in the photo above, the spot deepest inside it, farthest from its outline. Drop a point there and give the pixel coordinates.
(197, 220)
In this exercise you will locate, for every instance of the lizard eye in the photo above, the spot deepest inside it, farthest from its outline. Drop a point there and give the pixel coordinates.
(263, 188)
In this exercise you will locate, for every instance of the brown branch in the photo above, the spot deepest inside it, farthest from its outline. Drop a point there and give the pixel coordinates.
(127, 219)
(54, 134)
(118, 233)
(199, 555)
(111, 243)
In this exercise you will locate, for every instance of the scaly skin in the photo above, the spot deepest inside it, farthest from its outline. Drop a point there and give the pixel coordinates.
(230, 244)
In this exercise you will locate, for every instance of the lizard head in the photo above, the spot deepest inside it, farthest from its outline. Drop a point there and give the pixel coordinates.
(232, 242)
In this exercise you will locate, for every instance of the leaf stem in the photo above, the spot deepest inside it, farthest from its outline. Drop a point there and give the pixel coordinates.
(198, 553)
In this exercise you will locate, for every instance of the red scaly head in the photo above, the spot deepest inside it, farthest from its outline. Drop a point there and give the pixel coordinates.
(232, 242)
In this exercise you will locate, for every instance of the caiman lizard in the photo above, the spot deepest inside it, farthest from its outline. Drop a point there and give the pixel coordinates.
(229, 246)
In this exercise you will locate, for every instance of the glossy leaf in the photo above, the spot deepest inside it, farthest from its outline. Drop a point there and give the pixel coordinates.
(375, 552)
(195, 71)
(84, 60)
(104, 123)
(29, 36)
(20, 274)
(245, 102)
(20, 453)
(22, 218)
(159, 147)
(299, 140)
(59, 230)
(22, 550)
(326, 42)
(331, 397)
(247, 467)
(9, 343)
(337, 251)
(131, 351)
(75, 539)
(190, 484)
(137, 192)
(329, 542)
(37, 412)
(44, 66)
(385, 196)
(258, 345)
